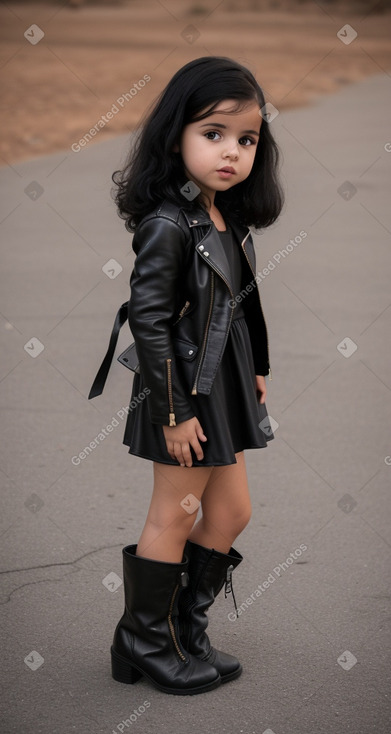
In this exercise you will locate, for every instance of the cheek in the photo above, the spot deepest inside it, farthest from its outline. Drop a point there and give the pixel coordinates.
(250, 159)
(196, 155)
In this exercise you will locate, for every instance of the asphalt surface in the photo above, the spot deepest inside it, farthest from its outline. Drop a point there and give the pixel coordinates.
(315, 643)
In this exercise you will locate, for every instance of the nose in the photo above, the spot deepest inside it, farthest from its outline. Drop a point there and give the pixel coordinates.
(233, 151)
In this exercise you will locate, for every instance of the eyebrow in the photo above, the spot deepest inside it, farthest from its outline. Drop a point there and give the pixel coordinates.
(224, 127)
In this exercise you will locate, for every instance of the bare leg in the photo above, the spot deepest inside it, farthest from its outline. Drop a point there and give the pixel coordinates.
(168, 523)
(226, 507)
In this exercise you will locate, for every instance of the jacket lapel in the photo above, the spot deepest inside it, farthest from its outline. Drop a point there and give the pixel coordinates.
(212, 250)
(243, 236)
(210, 247)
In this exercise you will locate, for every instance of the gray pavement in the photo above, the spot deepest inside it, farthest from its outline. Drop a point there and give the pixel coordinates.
(315, 643)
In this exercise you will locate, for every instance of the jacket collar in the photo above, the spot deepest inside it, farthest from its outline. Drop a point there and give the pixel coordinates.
(199, 217)
(208, 243)
(210, 246)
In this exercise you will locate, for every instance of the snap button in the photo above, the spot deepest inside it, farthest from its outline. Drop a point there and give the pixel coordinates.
(194, 221)
(201, 248)
(206, 254)
(184, 579)
(191, 351)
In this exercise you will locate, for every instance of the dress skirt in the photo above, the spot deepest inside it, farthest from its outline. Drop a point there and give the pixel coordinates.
(231, 416)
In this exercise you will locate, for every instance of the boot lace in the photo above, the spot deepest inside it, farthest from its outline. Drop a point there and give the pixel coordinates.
(229, 587)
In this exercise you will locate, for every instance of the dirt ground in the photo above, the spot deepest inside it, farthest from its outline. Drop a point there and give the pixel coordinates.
(58, 86)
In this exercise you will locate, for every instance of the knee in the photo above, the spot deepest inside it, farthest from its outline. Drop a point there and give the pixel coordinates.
(178, 523)
(241, 518)
(232, 521)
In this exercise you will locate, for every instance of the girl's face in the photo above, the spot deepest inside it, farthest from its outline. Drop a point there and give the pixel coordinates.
(218, 152)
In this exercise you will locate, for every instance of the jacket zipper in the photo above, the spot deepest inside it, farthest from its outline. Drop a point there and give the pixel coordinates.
(171, 415)
(212, 282)
(194, 390)
(254, 274)
(182, 312)
(171, 626)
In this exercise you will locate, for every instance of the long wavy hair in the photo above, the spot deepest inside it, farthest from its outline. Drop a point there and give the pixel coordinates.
(153, 172)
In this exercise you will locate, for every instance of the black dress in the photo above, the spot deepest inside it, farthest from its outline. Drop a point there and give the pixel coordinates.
(231, 416)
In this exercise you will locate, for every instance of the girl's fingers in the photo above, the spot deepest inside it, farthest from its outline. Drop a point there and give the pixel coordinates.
(178, 453)
(197, 449)
(187, 455)
(170, 449)
(181, 453)
(180, 450)
(185, 458)
(261, 388)
(200, 434)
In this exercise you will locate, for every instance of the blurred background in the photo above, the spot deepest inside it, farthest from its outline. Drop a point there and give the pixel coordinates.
(65, 63)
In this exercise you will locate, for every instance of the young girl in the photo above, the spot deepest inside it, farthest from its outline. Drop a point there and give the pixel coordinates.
(204, 168)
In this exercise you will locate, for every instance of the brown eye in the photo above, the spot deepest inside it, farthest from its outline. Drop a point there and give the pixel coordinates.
(212, 133)
(246, 141)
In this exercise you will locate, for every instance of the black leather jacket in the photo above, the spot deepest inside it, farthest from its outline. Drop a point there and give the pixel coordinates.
(181, 307)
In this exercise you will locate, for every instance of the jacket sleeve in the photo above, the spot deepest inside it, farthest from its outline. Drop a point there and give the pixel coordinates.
(160, 246)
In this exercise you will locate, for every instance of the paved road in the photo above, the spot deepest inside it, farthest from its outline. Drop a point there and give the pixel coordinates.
(315, 643)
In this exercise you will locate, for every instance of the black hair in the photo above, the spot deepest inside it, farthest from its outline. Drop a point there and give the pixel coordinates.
(153, 172)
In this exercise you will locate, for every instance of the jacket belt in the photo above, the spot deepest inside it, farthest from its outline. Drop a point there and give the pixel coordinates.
(101, 377)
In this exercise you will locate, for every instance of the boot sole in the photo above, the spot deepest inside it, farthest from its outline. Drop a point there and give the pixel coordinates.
(231, 676)
(228, 676)
(124, 671)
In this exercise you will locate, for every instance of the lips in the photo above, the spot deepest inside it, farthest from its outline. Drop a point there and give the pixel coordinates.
(226, 169)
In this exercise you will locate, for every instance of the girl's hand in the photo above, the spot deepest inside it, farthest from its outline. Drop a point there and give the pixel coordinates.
(179, 439)
(261, 388)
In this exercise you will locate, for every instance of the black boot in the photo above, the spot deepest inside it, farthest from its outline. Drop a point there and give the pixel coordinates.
(146, 641)
(208, 571)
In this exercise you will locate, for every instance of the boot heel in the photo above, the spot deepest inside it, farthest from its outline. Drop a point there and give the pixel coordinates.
(122, 670)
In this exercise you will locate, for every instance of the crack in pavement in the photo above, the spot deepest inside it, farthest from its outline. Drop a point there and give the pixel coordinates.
(33, 583)
(62, 563)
